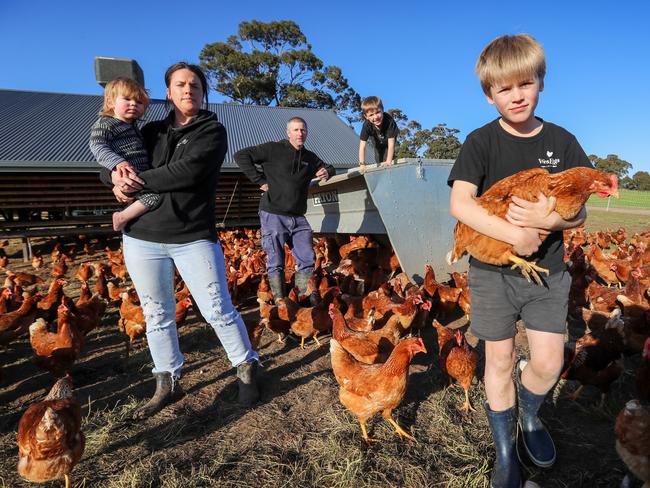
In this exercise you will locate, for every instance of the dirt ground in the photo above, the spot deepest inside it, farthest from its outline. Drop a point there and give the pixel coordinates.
(298, 434)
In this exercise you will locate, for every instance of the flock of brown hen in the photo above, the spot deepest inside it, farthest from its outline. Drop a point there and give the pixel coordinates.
(358, 295)
(610, 292)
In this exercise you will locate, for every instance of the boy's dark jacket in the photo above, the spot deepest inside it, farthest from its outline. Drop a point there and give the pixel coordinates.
(286, 170)
(186, 162)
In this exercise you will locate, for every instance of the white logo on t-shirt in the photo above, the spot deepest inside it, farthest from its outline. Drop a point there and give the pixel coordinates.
(549, 163)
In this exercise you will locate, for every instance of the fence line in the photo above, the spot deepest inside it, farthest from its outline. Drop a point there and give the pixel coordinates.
(628, 199)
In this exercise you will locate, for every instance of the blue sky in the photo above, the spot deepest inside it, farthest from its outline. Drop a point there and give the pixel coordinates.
(418, 56)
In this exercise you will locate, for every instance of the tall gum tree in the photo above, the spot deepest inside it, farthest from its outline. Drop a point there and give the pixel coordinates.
(271, 63)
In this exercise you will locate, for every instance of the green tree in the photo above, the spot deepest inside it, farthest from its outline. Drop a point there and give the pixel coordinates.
(443, 143)
(439, 142)
(627, 183)
(642, 180)
(612, 164)
(271, 63)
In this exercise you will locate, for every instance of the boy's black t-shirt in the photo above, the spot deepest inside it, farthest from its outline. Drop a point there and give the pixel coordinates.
(490, 154)
(380, 136)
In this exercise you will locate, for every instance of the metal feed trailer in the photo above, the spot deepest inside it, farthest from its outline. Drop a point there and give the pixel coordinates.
(408, 202)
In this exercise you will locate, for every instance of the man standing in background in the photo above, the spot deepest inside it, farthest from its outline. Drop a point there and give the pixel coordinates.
(287, 170)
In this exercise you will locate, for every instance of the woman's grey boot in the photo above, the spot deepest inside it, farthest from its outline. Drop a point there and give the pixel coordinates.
(276, 282)
(536, 439)
(249, 393)
(166, 390)
(506, 472)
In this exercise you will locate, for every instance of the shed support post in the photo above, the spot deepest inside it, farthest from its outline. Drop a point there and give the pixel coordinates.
(27, 249)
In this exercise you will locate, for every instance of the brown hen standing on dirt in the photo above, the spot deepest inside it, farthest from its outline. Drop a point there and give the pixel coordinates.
(602, 265)
(37, 261)
(567, 192)
(444, 335)
(16, 323)
(50, 441)
(84, 272)
(464, 299)
(56, 351)
(131, 318)
(264, 289)
(597, 359)
(460, 361)
(182, 308)
(370, 347)
(114, 291)
(48, 305)
(311, 321)
(277, 318)
(23, 279)
(60, 267)
(633, 439)
(367, 389)
(87, 313)
(6, 302)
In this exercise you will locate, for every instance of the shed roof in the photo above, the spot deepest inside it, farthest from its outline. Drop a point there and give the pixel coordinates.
(42, 131)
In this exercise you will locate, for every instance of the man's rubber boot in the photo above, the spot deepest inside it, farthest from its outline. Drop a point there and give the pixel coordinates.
(506, 472)
(166, 390)
(302, 280)
(537, 441)
(249, 393)
(276, 282)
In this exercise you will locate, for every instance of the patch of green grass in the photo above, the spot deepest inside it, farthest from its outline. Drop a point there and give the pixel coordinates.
(599, 219)
(628, 199)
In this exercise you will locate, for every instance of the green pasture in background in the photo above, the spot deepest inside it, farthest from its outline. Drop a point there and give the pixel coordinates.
(628, 199)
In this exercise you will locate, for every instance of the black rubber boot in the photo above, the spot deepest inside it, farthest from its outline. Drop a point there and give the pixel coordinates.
(537, 441)
(247, 383)
(276, 282)
(506, 472)
(166, 390)
(302, 280)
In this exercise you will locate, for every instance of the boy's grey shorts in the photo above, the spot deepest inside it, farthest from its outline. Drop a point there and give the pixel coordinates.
(498, 300)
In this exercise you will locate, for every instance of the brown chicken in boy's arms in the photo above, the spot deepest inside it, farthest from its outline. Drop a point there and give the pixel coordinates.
(566, 191)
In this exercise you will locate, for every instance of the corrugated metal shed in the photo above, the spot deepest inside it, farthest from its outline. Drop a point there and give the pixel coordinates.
(49, 131)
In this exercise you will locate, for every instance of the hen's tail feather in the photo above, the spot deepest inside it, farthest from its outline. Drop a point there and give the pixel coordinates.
(459, 248)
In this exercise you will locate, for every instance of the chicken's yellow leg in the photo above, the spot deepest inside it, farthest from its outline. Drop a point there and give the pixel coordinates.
(400, 431)
(364, 433)
(528, 268)
(467, 406)
(388, 415)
